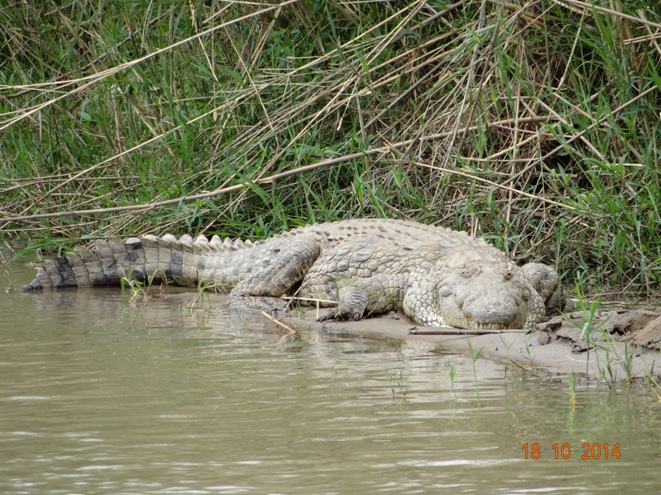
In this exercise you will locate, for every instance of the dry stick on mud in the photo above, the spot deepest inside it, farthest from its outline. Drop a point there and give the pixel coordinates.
(461, 331)
(279, 323)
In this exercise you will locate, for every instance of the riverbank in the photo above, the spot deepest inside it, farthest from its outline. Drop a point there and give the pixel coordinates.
(624, 347)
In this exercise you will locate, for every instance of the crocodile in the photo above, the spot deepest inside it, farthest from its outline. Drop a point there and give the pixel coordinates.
(434, 275)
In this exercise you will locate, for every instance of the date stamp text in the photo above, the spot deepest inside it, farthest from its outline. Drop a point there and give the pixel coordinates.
(564, 451)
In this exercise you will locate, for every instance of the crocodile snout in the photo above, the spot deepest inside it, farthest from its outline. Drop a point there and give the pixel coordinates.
(493, 313)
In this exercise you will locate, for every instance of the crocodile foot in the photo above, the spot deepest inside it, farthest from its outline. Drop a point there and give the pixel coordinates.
(338, 314)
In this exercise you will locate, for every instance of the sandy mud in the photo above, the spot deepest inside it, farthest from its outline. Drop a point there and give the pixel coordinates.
(623, 346)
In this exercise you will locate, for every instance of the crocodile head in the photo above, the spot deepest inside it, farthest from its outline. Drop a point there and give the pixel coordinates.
(477, 294)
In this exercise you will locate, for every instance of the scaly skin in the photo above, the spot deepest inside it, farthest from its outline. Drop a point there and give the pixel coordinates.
(436, 276)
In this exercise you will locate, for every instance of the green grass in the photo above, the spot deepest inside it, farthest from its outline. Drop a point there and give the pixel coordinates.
(397, 383)
(535, 124)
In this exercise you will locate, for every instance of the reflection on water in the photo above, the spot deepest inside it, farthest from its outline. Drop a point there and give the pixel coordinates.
(99, 397)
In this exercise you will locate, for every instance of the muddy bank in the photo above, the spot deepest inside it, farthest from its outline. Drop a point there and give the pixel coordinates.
(638, 327)
(625, 343)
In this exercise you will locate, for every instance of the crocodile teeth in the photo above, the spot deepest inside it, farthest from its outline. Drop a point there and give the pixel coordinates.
(489, 326)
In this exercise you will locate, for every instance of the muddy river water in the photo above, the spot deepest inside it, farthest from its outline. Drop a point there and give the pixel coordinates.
(100, 397)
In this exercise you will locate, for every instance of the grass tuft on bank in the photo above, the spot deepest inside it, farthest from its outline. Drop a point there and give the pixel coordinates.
(534, 124)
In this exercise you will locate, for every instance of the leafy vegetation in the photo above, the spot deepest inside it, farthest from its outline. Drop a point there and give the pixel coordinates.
(535, 124)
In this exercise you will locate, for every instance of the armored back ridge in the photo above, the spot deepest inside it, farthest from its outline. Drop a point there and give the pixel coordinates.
(436, 276)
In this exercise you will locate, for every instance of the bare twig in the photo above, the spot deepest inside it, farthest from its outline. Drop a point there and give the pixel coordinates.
(279, 323)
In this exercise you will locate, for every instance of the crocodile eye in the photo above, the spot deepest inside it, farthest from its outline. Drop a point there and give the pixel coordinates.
(467, 272)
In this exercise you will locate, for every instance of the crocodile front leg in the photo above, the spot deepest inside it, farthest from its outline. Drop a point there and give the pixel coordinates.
(274, 275)
(364, 297)
(544, 279)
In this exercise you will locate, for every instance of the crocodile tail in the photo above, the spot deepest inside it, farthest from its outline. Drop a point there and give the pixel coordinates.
(183, 261)
(103, 263)
(107, 261)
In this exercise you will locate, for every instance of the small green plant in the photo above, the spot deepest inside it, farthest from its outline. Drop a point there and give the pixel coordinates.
(622, 357)
(474, 357)
(651, 378)
(571, 380)
(128, 281)
(141, 293)
(506, 346)
(589, 310)
(397, 385)
(530, 354)
(656, 385)
(202, 289)
(453, 375)
(598, 338)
